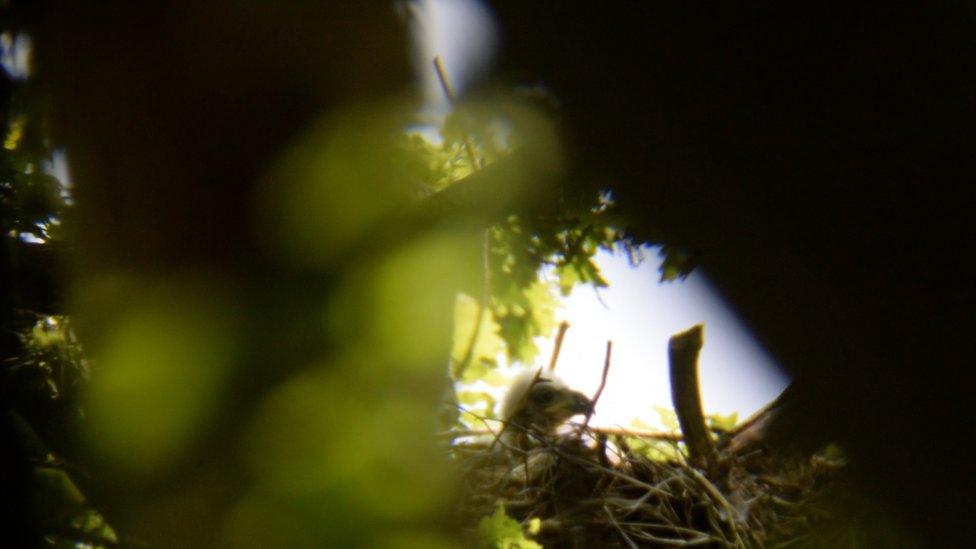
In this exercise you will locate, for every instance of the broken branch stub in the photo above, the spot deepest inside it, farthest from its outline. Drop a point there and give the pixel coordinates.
(683, 349)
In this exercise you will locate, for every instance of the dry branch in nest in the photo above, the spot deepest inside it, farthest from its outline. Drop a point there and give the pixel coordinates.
(620, 495)
(592, 487)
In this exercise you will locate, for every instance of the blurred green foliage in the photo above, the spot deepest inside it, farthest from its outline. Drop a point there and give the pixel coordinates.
(528, 260)
(336, 184)
(52, 365)
(718, 422)
(52, 371)
(676, 263)
(31, 198)
(177, 339)
(499, 531)
(249, 432)
(665, 451)
(44, 367)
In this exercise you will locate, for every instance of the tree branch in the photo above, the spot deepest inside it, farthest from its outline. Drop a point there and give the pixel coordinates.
(683, 352)
(563, 326)
(599, 390)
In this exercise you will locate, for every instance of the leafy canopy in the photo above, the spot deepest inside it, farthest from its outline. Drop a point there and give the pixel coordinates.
(529, 261)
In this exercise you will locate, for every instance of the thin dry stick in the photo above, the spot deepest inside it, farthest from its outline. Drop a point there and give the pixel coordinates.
(739, 438)
(639, 433)
(563, 326)
(670, 542)
(482, 419)
(599, 390)
(612, 472)
(445, 82)
(720, 499)
(670, 528)
(452, 98)
(616, 525)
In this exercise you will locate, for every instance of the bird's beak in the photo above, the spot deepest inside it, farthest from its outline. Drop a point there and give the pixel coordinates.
(567, 404)
(578, 403)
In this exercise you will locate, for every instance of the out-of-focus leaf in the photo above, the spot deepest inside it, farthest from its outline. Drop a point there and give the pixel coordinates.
(676, 264)
(471, 320)
(342, 179)
(15, 131)
(373, 449)
(494, 378)
(473, 398)
(93, 525)
(524, 314)
(477, 405)
(636, 423)
(664, 451)
(174, 339)
(723, 423)
(568, 278)
(499, 531)
(668, 417)
(475, 372)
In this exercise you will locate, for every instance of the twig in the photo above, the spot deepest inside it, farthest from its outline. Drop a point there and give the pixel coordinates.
(753, 432)
(683, 352)
(599, 390)
(720, 499)
(632, 505)
(672, 528)
(623, 534)
(675, 542)
(563, 326)
(628, 505)
(639, 433)
(496, 436)
(612, 472)
(445, 82)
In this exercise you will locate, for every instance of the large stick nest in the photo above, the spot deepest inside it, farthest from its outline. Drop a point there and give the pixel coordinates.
(594, 489)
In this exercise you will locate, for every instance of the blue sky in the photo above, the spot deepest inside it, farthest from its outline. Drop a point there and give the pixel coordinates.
(640, 314)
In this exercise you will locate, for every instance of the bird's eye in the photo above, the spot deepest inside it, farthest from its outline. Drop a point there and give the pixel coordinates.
(544, 396)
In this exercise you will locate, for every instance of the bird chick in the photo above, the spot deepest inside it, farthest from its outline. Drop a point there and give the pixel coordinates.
(535, 405)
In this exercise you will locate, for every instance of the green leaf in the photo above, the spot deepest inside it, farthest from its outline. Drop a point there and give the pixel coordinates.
(476, 339)
(543, 307)
(524, 314)
(723, 423)
(499, 531)
(15, 131)
(568, 278)
(664, 451)
(668, 417)
(676, 265)
(495, 378)
(476, 405)
(636, 423)
(476, 371)
(590, 273)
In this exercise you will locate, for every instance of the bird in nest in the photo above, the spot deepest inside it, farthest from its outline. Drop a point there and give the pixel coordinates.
(535, 405)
